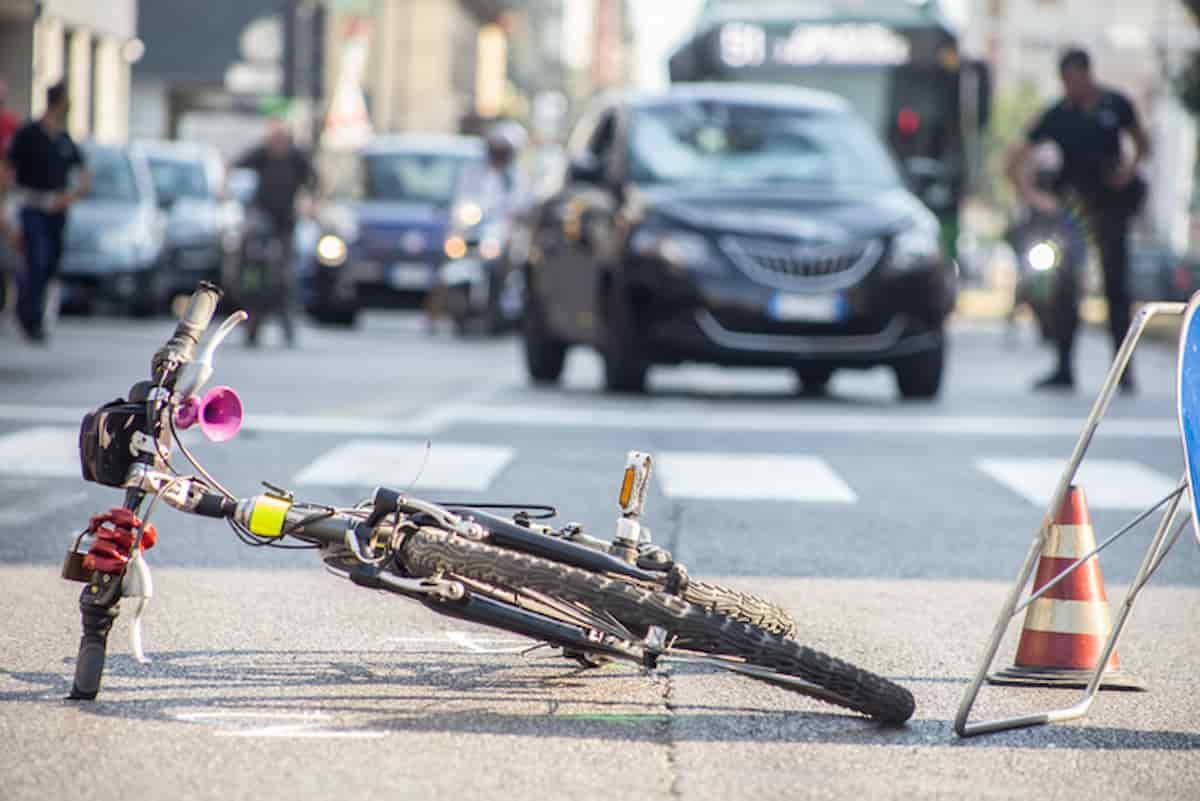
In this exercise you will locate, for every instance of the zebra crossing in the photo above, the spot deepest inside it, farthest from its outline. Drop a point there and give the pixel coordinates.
(32, 454)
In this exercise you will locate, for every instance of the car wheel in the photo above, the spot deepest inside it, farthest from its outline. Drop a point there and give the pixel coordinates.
(545, 354)
(814, 379)
(625, 366)
(919, 376)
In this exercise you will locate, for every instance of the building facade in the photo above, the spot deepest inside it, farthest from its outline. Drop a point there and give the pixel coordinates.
(88, 43)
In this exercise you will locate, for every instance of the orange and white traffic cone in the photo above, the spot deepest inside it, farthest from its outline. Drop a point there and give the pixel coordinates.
(1065, 630)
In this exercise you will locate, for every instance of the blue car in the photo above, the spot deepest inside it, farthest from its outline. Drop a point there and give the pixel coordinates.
(381, 241)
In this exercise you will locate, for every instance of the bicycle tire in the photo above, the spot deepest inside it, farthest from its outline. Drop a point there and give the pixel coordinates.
(429, 551)
(741, 606)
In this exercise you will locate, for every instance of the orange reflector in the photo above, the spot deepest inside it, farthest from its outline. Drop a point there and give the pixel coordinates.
(627, 487)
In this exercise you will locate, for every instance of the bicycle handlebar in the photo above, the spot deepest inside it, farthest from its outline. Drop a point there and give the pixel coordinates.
(191, 327)
(99, 602)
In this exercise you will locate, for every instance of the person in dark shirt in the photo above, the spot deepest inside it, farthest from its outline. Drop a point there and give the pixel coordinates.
(41, 158)
(283, 171)
(1098, 181)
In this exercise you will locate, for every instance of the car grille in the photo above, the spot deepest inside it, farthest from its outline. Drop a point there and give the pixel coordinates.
(799, 266)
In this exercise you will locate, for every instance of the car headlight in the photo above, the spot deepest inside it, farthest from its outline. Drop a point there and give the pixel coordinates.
(680, 249)
(331, 250)
(915, 248)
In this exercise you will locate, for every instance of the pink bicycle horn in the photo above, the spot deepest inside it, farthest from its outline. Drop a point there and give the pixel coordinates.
(219, 414)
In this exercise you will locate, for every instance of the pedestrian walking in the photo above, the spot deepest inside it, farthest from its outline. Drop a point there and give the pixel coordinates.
(9, 239)
(1097, 188)
(41, 159)
(283, 171)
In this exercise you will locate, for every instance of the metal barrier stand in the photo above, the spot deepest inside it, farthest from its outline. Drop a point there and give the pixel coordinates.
(1158, 549)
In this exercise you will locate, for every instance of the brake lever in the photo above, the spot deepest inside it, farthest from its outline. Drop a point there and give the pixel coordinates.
(137, 583)
(193, 374)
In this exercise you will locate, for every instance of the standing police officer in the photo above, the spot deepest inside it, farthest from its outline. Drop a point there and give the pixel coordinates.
(1095, 180)
(41, 156)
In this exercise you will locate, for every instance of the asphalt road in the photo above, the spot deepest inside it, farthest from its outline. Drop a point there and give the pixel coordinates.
(890, 530)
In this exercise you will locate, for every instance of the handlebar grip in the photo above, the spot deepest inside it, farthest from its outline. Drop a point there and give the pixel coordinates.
(192, 325)
(98, 608)
(199, 312)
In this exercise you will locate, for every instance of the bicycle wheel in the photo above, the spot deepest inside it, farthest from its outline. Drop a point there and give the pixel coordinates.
(429, 551)
(741, 606)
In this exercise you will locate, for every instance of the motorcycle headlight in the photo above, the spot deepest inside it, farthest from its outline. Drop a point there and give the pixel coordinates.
(468, 214)
(915, 248)
(680, 249)
(331, 250)
(1044, 255)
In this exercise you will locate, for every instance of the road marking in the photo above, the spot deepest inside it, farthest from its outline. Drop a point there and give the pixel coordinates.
(304, 724)
(664, 416)
(43, 451)
(668, 416)
(32, 509)
(1108, 483)
(463, 639)
(750, 476)
(483, 646)
(368, 463)
(302, 730)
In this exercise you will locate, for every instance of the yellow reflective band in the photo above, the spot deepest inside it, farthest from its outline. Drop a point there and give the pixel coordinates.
(266, 518)
(626, 487)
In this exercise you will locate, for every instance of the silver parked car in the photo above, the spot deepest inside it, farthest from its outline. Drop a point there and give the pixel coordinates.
(115, 236)
(202, 224)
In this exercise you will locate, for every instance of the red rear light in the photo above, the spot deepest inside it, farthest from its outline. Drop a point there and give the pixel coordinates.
(908, 122)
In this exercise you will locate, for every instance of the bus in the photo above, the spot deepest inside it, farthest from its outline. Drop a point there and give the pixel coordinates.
(896, 61)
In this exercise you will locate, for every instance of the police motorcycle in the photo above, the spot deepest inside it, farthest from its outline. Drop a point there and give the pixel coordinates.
(483, 282)
(481, 279)
(1045, 244)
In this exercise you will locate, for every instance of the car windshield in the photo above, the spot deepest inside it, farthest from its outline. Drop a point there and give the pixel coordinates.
(177, 178)
(112, 176)
(411, 177)
(714, 142)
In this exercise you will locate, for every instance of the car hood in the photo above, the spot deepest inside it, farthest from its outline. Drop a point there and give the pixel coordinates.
(88, 218)
(191, 219)
(804, 213)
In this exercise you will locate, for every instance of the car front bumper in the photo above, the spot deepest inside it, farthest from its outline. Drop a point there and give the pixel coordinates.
(731, 320)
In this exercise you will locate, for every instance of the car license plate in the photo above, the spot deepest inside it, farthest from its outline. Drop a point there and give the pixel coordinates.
(410, 276)
(792, 308)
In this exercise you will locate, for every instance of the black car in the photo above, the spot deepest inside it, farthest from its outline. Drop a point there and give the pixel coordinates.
(382, 241)
(736, 225)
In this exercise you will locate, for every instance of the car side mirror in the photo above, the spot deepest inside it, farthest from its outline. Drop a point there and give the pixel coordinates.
(586, 169)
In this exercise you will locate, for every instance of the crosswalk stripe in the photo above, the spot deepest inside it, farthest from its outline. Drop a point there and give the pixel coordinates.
(685, 417)
(750, 476)
(42, 451)
(1108, 483)
(366, 463)
(662, 417)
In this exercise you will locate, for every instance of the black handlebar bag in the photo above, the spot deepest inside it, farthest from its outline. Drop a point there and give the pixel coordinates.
(106, 441)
